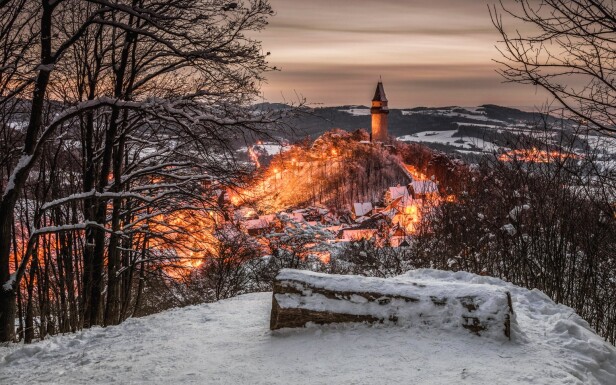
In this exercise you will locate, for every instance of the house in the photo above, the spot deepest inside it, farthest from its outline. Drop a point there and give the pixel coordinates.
(398, 236)
(256, 227)
(356, 234)
(423, 189)
(398, 196)
(367, 229)
(362, 208)
(260, 226)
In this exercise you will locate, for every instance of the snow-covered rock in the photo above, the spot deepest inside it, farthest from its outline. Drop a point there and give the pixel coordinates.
(229, 343)
(304, 296)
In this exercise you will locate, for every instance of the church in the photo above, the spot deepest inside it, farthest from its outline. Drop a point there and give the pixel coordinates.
(379, 112)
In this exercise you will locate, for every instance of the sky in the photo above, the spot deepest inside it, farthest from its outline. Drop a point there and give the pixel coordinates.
(428, 53)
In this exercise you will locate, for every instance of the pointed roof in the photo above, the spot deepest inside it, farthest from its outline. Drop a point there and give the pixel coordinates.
(379, 95)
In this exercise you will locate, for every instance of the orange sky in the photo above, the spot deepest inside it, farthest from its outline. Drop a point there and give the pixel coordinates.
(429, 53)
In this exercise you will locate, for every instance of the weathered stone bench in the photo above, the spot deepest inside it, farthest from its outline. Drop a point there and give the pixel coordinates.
(302, 297)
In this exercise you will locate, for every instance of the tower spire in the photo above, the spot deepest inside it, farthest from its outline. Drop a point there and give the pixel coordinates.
(379, 112)
(379, 94)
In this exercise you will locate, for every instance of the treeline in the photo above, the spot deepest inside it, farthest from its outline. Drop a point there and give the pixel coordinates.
(550, 226)
(116, 119)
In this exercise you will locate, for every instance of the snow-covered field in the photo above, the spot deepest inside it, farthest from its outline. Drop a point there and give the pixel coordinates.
(475, 113)
(357, 111)
(229, 343)
(447, 137)
(269, 148)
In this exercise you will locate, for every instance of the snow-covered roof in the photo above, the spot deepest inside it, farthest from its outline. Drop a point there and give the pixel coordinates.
(254, 224)
(379, 94)
(398, 192)
(362, 208)
(424, 187)
(268, 217)
(356, 234)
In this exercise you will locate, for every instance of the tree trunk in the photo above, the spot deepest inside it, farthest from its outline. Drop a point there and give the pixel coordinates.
(18, 180)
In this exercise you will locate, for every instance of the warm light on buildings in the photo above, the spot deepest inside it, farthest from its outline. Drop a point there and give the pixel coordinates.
(535, 155)
(236, 200)
(254, 157)
(412, 217)
(415, 173)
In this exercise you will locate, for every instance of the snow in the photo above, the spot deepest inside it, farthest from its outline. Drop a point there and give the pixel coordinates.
(8, 285)
(458, 112)
(273, 148)
(229, 343)
(357, 111)
(603, 142)
(398, 192)
(447, 137)
(362, 208)
(443, 305)
(424, 187)
(268, 148)
(23, 162)
(256, 224)
(509, 228)
(516, 211)
(18, 125)
(466, 124)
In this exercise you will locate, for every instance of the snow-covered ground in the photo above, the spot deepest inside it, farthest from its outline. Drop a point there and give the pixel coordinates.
(447, 137)
(360, 111)
(269, 148)
(473, 113)
(229, 343)
(606, 143)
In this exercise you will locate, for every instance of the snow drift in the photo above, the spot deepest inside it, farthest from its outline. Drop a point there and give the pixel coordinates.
(229, 343)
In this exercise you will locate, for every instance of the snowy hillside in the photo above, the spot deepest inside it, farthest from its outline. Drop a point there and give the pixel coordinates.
(229, 343)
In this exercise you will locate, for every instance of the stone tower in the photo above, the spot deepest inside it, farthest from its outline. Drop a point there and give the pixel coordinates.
(379, 113)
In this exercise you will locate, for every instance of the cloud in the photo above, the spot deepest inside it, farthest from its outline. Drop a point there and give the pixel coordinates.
(430, 52)
(407, 86)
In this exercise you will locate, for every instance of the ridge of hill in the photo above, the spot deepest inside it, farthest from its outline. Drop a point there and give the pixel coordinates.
(315, 121)
(462, 131)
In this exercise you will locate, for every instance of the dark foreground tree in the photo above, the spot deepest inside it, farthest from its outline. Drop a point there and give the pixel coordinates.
(566, 47)
(147, 97)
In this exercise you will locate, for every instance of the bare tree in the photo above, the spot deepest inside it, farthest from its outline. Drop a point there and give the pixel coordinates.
(172, 79)
(566, 47)
(225, 271)
(535, 216)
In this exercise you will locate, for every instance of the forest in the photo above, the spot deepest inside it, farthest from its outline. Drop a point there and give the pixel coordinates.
(116, 120)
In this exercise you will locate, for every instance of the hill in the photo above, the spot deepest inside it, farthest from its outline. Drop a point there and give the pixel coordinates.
(410, 121)
(463, 131)
(229, 343)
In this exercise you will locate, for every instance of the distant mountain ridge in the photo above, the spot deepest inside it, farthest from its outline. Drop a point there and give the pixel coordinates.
(408, 121)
